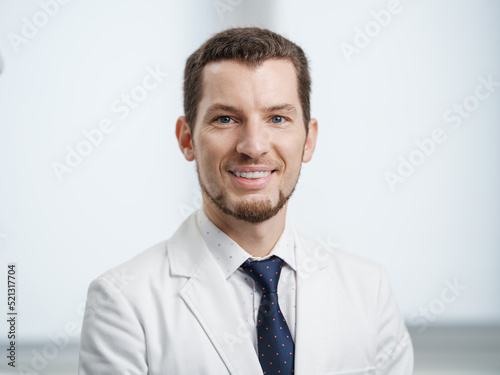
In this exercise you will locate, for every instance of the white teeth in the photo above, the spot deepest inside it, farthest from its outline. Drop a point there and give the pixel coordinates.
(252, 175)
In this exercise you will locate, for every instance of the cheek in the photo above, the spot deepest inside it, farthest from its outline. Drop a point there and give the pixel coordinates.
(292, 154)
(210, 159)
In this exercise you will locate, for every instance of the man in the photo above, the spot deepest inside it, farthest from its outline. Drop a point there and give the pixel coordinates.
(236, 290)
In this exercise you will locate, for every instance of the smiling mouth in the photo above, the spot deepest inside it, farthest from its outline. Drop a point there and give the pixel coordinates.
(252, 175)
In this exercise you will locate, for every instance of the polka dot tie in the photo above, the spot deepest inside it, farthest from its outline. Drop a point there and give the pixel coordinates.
(276, 349)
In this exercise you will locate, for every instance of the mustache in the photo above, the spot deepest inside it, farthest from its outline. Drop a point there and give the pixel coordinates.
(244, 162)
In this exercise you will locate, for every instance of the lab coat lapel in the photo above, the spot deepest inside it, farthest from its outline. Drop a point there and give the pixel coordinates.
(314, 325)
(210, 300)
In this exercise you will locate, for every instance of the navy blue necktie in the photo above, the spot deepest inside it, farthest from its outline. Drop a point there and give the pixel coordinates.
(276, 349)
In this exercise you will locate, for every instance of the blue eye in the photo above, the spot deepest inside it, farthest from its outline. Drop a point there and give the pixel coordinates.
(224, 119)
(277, 119)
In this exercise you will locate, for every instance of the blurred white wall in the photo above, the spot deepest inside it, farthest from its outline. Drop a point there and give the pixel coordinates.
(134, 189)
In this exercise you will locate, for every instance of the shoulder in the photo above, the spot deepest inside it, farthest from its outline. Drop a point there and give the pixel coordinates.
(155, 267)
(324, 253)
(352, 274)
(130, 277)
(150, 268)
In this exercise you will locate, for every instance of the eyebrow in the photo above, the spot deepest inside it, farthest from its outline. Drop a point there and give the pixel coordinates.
(281, 107)
(222, 107)
(229, 108)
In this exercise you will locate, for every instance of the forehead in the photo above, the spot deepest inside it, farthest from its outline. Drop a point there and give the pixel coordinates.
(273, 80)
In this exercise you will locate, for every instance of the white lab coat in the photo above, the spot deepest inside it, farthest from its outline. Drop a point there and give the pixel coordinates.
(169, 311)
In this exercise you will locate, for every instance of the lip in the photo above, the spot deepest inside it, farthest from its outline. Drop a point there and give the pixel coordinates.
(257, 183)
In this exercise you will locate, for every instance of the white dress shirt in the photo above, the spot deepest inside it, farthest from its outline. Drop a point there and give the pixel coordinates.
(230, 256)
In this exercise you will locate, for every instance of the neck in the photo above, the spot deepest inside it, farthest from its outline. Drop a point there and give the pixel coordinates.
(257, 239)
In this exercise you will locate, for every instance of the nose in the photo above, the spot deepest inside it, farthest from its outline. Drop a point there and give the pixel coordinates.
(254, 139)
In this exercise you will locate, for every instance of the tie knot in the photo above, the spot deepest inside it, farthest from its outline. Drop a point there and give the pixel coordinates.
(265, 273)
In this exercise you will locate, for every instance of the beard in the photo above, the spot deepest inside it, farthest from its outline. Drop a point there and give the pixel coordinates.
(251, 212)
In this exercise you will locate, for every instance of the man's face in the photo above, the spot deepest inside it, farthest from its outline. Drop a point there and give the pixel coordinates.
(249, 139)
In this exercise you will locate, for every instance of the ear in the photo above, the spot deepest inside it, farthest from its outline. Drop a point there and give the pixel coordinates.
(183, 134)
(310, 143)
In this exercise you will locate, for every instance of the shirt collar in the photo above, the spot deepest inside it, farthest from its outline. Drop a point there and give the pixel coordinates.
(230, 256)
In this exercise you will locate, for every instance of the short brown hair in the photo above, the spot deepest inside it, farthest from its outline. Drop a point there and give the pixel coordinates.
(251, 45)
